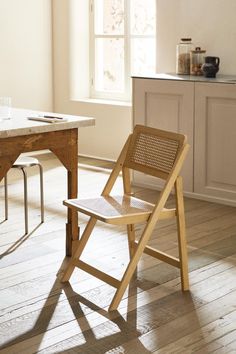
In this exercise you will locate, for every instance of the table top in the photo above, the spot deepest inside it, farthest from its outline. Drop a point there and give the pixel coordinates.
(20, 125)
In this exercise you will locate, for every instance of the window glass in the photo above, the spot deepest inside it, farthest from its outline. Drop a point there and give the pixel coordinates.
(123, 43)
(142, 17)
(109, 16)
(109, 59)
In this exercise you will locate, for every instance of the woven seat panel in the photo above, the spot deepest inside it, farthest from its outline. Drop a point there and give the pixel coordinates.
(154, 152)
(113, 206)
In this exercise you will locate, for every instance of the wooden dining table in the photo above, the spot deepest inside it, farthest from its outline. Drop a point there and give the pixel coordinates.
(21, 135)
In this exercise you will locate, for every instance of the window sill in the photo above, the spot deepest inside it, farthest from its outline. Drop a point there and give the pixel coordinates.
(104, 101)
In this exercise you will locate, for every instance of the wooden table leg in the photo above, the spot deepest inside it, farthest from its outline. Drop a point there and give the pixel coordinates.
(64, 144)
(68, 155)
(6, 163)
(72, 230)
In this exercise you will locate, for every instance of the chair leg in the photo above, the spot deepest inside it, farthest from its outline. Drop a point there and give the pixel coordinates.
(131, 239)
(131, 268)
(25, 200)
(6, 197)
(78, 251)
(183, 255)
(41, 192)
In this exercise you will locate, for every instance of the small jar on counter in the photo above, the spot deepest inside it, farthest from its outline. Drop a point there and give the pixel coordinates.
(183, 50)
(197, 58)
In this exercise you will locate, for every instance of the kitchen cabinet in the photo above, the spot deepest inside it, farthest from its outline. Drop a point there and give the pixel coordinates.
(215, 140)
(205, 110)
(165, 105)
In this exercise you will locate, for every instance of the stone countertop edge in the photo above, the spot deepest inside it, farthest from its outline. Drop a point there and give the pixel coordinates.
(227, 79)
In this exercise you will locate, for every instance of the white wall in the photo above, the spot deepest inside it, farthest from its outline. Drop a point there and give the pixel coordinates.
(211, 24)
(113, 122)
(26, 53)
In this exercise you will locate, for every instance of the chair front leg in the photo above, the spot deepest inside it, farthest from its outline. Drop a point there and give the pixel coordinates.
(131, 267)
(78, 251)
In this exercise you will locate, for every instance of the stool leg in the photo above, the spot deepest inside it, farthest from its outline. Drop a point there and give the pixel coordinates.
(6, 197)
(25, 200)
(41, 192)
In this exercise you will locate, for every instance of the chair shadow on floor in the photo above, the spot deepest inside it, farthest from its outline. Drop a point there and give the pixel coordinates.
(125, 329)
(100, 331)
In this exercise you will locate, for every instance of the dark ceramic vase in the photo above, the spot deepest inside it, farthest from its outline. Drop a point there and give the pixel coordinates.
(211, 66)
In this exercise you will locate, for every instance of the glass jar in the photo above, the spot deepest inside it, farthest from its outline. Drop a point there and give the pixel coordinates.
(197, 59)
(183, 50)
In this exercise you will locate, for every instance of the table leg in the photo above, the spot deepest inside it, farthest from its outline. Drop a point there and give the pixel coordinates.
(72, 230)
(64, 144)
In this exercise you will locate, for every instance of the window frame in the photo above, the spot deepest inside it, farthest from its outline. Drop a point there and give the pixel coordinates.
(127, 36)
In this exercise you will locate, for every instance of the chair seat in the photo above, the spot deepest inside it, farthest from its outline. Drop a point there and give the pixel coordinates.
(25, 161)
(113, 209)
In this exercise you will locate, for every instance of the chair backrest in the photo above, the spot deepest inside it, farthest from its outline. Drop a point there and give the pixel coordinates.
(153, 151)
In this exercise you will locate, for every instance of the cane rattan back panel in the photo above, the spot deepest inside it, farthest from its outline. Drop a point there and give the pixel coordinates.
(153, 151)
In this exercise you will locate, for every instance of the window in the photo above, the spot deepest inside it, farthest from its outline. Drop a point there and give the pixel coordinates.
(122, 43)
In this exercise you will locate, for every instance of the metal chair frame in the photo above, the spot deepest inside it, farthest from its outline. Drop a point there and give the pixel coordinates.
(22, 164)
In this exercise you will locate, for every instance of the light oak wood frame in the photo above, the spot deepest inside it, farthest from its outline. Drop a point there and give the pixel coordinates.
(172, 179)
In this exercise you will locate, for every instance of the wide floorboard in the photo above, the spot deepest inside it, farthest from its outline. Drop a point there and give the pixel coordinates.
(40, 315)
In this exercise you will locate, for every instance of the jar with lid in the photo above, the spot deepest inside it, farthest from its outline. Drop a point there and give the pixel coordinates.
(197, 59)
(183, 50)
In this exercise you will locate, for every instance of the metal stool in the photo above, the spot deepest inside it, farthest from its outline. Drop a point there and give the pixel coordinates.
(21, 163)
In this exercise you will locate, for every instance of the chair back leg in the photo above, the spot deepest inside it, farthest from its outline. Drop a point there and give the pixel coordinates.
(181, 228)
(131, 239)
(41, 192)
(6, 197)
(25, 200)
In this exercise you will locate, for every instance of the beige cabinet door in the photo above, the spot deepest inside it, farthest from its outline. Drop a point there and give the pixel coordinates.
(215, 140)
(168, 105)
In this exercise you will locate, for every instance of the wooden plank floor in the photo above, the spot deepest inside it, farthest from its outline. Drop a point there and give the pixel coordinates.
(40, 315)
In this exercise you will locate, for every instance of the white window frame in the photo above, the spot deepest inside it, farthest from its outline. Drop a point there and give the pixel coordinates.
(126, 95)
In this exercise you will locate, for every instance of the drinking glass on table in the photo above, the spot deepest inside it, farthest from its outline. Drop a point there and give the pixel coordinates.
(5, 108)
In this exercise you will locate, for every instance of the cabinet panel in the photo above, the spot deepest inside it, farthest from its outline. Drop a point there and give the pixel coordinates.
(168, 105)
(215, 140)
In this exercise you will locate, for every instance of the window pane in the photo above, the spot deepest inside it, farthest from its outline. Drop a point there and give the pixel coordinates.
(142, 15)
(143, 55)
(109, 16)
(109, 67)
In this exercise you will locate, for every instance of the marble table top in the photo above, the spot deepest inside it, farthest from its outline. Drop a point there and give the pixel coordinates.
(20, 125)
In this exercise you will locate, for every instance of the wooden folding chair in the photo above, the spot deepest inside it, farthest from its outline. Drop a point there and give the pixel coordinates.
(155, 152)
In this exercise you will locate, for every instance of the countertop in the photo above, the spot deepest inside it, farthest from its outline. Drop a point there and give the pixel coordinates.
(226, 79)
